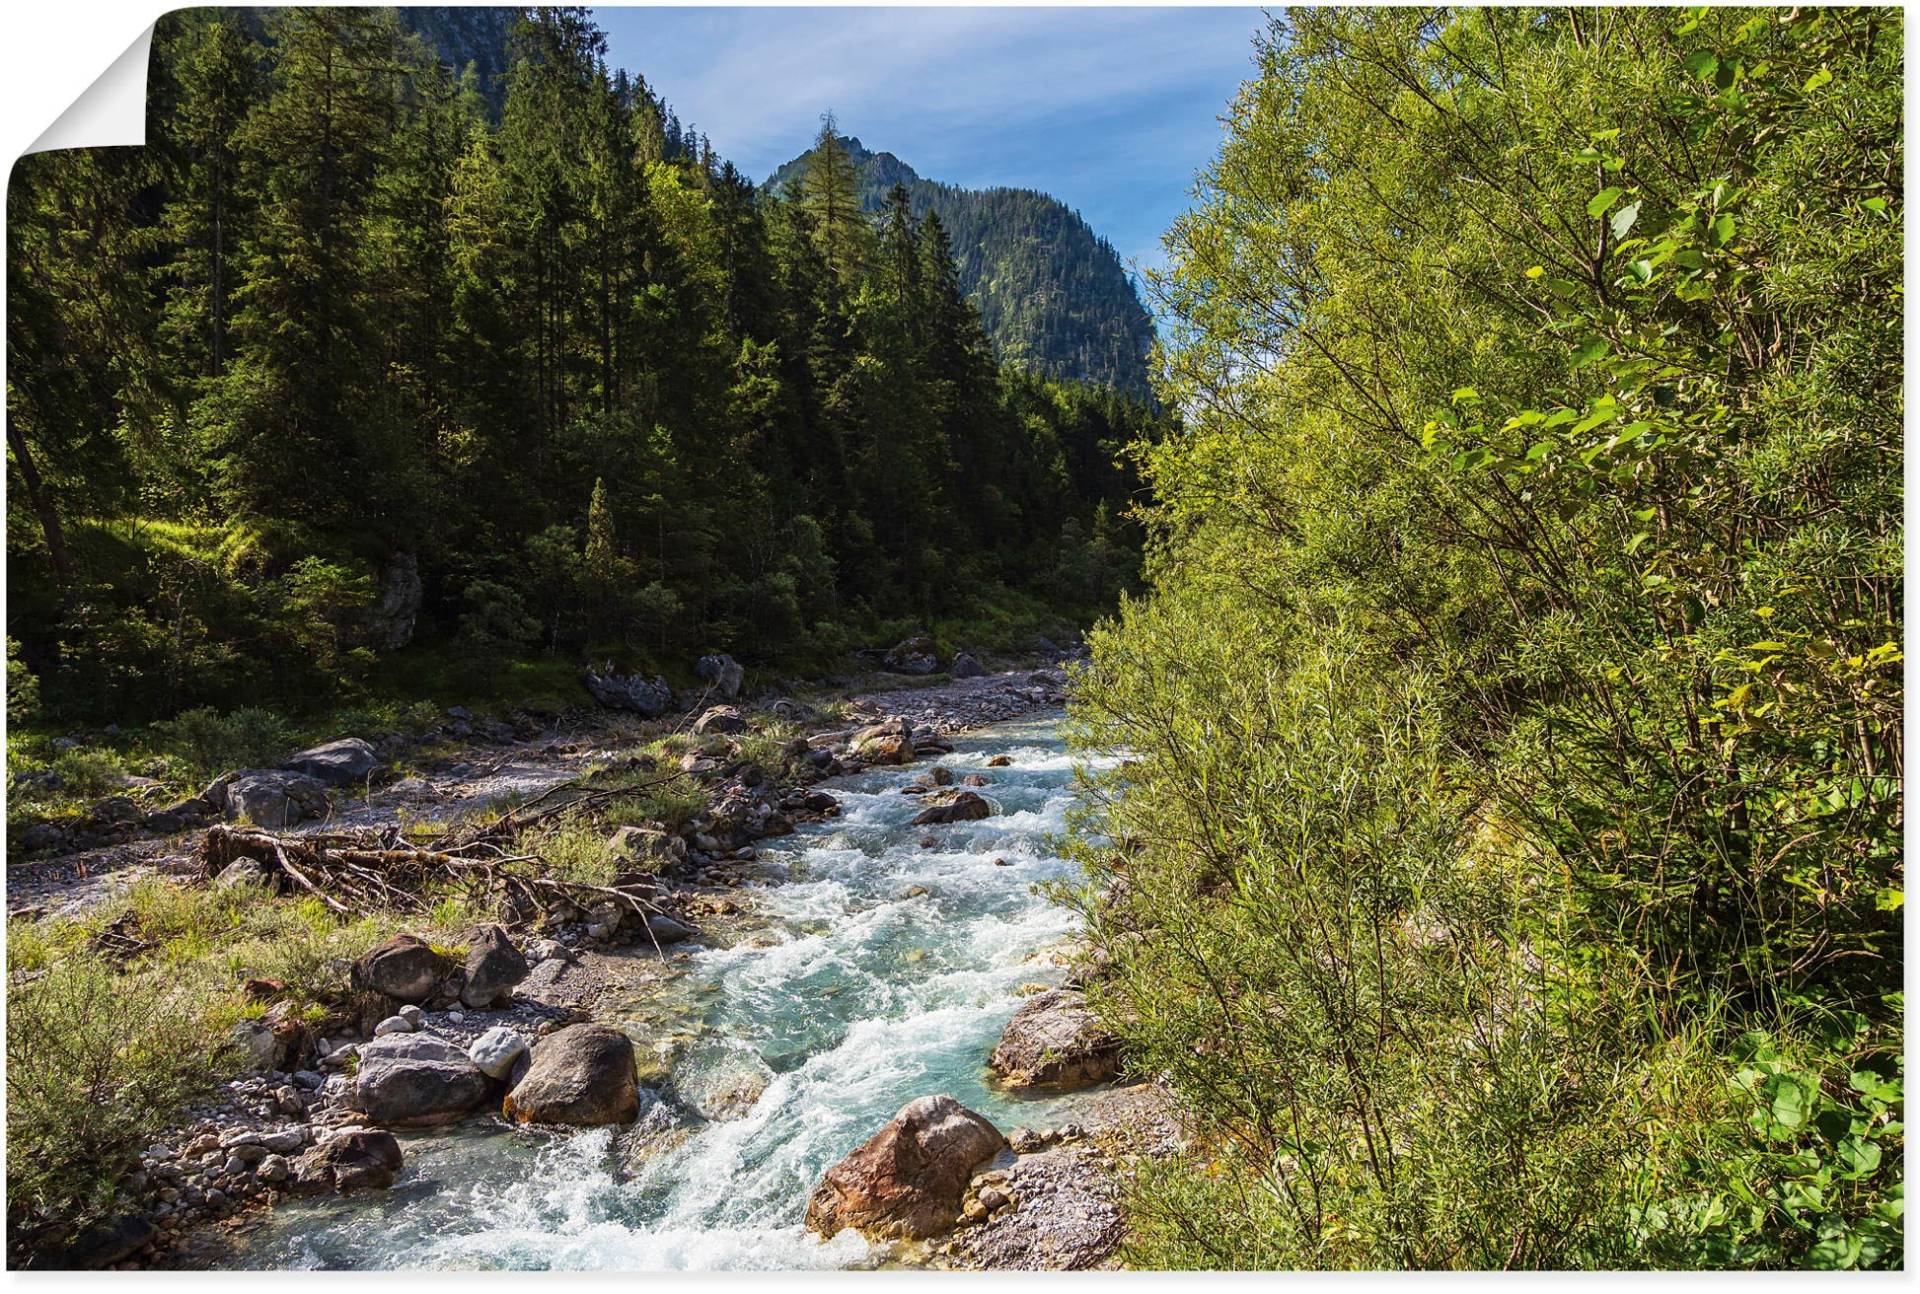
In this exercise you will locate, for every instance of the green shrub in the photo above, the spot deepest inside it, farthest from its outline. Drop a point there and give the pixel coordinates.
(87, 772)
(211, 743)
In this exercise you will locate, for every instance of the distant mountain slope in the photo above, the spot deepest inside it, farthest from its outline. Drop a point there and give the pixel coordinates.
(1053, 295)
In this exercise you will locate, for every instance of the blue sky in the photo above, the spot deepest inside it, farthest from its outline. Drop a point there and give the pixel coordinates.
(1110, 110)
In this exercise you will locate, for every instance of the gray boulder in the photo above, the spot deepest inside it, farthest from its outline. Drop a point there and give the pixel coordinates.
(965, 666)
(915, 655)
(583, 1075)
(405, 968)
(274, 798)
(364, 1159)
(492, 968)
(647, 697)
(723, 672)
(346, 762)
(1054, 1042)
(647, 849)
(415, 1079)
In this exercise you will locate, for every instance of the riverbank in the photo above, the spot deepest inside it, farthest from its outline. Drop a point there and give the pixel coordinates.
(574, 985)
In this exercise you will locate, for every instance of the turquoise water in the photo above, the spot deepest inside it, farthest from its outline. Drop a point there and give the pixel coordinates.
(847, 998)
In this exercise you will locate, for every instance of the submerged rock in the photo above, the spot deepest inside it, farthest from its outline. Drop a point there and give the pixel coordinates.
(964, 807)
(908, 1180)
(583, 1075)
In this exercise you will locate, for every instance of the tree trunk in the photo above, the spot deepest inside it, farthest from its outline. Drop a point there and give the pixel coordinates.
(42, 506)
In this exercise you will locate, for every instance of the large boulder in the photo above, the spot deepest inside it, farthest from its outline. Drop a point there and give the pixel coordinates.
(416, 1079)
(109, 1241)
(915, 655)
(966, 666)
(346, 762)
(648, 697)
(647, 849)
(363, 1159)
(963, 807)
(720, 718)
(406, 968)
(1054, 1042)
(493, 967)
(888, 742)
(908, 1180)
(583, 1075)
(274, 798)
(723, 672)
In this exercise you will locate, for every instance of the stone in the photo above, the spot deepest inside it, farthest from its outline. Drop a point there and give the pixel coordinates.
(244, 871)
(40, 836)
(583, 1075)
(393, 1024)
(720, 719)
(413, 1015)
(109, 1241)
(405, 968)
(273, 1170)
(890, 742)
(965, 666)
(415, 1079)
(494, 1052)
(666, 930)
(1054, 1041)
(649, 698)
(493, 966)
(908, 1180)
(273, 798)
(914, 655)
(964, 807)
(260, 1048)
(1000, 761)
(976, 779)
(347, 762)
(723, 672)
(363, 1159)
(392, 618)
(648, 849)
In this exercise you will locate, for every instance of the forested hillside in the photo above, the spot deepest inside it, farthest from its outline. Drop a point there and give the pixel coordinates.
(344, 370)
(1508, 868)
(1053, 295)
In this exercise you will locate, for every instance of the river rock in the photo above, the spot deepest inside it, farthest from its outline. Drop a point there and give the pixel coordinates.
(723, 672)
(908, 1180)
(1054, 1042)
(647, 697)
(414, 1079)
(493, 966)
(964, 807)
(889, 742)
(405, 968)
(647, 849)
(363, 1159)
(346, 762)
(391, 1025)
(110, 1241)
(496, 1051)
(720, 718)
(583, 1075)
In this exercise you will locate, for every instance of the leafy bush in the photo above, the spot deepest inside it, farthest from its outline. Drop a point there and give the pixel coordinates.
(86, 771)
(96, 1062)
(212, 743)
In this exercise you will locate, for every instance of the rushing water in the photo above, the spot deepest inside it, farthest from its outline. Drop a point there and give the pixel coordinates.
(856, 996)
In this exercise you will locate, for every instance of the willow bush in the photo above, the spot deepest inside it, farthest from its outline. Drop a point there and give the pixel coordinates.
(1507, 868)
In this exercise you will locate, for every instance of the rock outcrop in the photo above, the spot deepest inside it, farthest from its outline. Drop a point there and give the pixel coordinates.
(908, 1180)
(583, 1075)
(914, 655)
(648, 697)
(1054, 1042)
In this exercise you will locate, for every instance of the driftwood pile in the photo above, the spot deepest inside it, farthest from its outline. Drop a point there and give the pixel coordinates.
(357, 872)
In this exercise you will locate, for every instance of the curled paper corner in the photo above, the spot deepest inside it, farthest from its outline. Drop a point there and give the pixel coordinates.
(109, 113)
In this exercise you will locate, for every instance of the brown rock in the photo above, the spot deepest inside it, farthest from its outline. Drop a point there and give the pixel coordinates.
(1053, 1041)
(964, 807)
(583, 1075)
(364, 1159)
(908, 1180)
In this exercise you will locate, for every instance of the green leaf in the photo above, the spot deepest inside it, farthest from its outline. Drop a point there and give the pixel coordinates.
(1702, 63)
(1591, 349)
(1862, 1157)
(1597, 206)
(1722, 229)
(1815, 81)
(1623, 219)
(1790, 1102)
